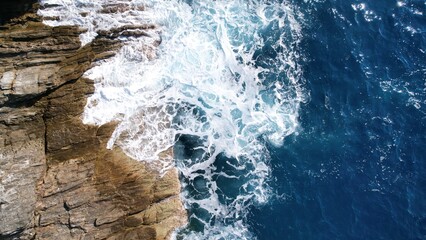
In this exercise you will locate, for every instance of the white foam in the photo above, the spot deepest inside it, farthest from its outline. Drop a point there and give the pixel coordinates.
(88, 14)
(368, 14)
(207, 80)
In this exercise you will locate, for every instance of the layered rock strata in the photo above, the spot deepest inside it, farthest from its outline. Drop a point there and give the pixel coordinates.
(57, 179)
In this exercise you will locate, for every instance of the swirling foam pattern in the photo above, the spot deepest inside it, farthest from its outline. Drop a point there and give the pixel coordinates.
(222, 85)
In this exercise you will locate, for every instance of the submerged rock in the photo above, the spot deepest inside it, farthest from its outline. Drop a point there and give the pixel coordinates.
(57, 179)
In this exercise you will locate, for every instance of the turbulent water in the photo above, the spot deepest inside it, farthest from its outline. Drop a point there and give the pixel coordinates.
(288, 119)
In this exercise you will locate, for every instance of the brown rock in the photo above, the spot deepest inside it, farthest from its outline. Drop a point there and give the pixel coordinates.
(57, 179)
(22, 164)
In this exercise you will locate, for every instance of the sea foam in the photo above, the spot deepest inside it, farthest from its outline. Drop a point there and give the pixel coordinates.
(223, 84)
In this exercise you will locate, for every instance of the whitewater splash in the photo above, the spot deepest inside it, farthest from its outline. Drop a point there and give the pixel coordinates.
(222, 85)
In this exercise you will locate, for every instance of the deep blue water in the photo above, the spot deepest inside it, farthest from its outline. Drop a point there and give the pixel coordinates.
(357, 168)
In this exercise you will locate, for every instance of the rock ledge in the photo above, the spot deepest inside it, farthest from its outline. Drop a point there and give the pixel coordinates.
(57, 179)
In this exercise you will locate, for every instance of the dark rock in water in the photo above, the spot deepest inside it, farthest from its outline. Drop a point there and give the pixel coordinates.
(57, 179)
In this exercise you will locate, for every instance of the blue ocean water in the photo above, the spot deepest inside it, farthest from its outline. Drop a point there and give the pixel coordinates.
(357, 167)
(289, 119)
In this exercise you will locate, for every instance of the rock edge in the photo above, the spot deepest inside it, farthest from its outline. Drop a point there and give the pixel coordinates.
(57, 179)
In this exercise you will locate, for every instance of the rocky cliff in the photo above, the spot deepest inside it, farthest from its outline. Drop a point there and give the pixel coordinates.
(57, 179)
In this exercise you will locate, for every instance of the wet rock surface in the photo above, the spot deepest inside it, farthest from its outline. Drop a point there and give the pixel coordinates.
(57, 179)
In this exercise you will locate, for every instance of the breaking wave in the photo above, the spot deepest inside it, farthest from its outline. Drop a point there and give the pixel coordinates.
(222, 85)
